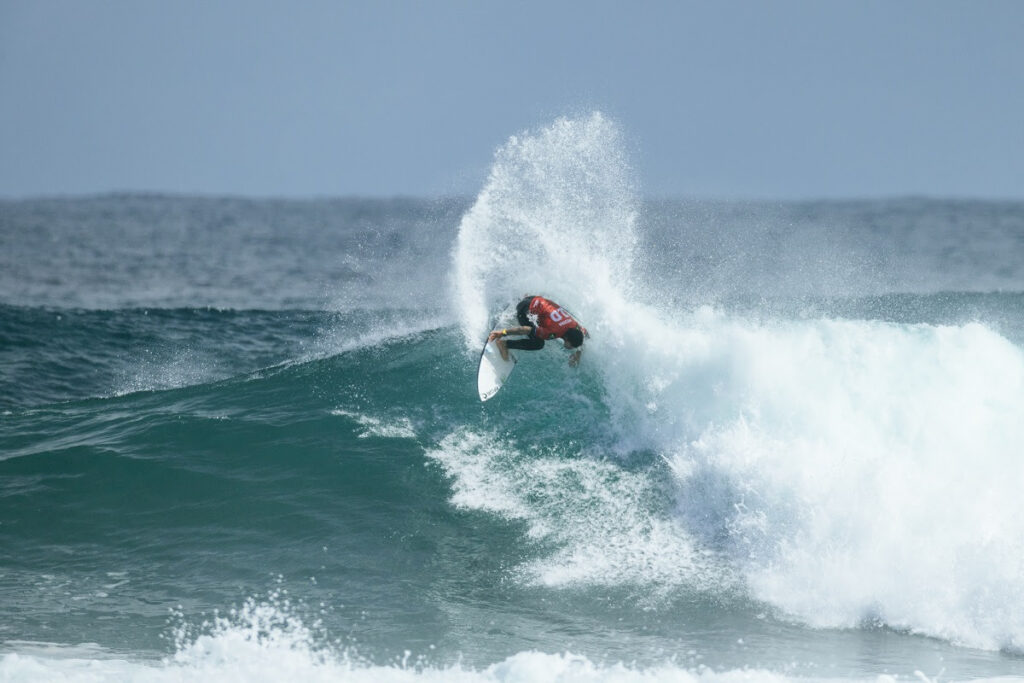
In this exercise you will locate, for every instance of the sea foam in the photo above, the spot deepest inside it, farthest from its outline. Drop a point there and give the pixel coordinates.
(264, 641)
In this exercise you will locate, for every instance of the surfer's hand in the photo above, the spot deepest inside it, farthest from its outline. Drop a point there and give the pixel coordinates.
(494, 335)
(574, 359)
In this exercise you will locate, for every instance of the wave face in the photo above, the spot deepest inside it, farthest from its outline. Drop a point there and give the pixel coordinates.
(254, 450)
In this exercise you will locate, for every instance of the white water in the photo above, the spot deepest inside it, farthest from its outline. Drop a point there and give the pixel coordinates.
(611, 526)
(276, 665)
(264, 640)
(858, 470)
(557, 216)
(261, 642)
(846, 471)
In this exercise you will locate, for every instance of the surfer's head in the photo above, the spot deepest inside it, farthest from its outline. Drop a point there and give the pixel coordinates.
(573, 338)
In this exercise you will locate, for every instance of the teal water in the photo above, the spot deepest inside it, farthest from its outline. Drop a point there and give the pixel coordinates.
(314, 485)
(241, 439)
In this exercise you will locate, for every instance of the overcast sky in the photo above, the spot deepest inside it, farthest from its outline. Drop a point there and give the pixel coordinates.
(715, 99)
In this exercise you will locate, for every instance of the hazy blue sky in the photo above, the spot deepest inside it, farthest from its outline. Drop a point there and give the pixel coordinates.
(727, 99)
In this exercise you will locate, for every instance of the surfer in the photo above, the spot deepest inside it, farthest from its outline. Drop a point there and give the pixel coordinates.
(541, 319)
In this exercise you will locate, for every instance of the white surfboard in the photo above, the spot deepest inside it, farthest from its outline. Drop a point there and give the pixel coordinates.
(493, 371)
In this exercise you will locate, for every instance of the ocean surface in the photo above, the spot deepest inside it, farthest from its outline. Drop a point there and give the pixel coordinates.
(240, 439)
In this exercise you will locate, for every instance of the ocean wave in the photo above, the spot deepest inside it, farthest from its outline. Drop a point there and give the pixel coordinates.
(730, 457)
(851, 470)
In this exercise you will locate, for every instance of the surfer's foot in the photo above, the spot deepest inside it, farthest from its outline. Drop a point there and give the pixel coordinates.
(502, 349)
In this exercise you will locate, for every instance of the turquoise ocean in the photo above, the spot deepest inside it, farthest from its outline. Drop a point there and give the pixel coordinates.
(240, 439)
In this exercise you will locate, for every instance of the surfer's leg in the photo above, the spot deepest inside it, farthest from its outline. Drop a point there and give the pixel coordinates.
(531, 343)
(502, 348)
(528, 344)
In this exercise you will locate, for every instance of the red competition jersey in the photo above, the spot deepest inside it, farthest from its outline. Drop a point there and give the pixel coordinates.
(553, 321)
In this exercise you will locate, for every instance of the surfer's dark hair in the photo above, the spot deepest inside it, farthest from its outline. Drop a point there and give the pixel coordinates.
(574, 337)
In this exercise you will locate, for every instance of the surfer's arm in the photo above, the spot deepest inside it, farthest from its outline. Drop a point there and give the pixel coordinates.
(574, 359)
(497, 334)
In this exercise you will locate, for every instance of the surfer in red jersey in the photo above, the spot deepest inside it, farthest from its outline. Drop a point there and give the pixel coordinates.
(541, 319)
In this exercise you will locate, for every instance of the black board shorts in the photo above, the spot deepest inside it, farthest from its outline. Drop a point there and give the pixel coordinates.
(531, 343)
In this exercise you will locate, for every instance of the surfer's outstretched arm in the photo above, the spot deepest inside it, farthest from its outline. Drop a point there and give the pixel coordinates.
(497, 334)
